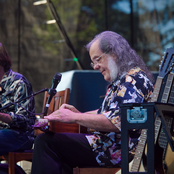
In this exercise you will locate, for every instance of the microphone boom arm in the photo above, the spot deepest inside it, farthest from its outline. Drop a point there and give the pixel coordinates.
(32, 95)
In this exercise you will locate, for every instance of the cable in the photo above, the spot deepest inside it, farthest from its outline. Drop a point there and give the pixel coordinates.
(62, 31)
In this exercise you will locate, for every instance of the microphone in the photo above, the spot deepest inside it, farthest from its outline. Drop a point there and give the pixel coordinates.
(52, 91)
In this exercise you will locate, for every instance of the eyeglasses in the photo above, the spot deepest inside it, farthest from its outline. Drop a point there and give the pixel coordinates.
(97, 60)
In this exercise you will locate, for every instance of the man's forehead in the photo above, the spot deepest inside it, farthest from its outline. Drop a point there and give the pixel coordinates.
(95, 47)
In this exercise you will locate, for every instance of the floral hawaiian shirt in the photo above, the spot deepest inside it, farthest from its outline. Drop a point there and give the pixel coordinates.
(134, 87)
(15, 87)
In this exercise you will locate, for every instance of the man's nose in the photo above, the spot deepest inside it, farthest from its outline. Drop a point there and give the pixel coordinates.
(96, 66)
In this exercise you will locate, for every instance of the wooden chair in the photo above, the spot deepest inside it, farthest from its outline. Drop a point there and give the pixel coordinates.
(13, 157)
(59, 98)
(96, 170)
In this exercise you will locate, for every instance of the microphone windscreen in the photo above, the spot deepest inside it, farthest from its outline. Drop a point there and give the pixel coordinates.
(56, 79)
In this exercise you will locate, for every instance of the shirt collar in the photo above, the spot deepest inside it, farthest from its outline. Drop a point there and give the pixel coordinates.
(6, 74)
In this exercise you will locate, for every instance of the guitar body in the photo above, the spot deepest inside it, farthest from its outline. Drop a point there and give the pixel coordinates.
(168, 155)
(141, 169)
(58, 127)
(42, 125)
(158, 159)
(169, 160)
(159, 167)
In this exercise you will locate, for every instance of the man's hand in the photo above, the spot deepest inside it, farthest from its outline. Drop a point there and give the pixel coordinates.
(63, 115)
(70, 107)
(5, 118)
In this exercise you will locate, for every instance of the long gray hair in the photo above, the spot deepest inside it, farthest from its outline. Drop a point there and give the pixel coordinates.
(114, 44)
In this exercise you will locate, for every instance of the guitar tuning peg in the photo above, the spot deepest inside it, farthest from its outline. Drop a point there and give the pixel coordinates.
(159, 66)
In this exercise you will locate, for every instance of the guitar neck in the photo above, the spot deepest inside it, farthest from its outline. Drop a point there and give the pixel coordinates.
(163, 100)
(142, 141)
(156, 89)
(171, 95)
(168, 88)
(168, 97)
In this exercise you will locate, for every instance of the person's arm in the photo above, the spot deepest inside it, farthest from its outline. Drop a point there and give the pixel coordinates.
(5, 118)
(73, 109)
(92, 112)
(95, 121)
(20, 117)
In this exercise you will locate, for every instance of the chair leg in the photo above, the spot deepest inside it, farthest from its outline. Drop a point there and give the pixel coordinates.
(76, 170)
(96, 170)
(11, 163)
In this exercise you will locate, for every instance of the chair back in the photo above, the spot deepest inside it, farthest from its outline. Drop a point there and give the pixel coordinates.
(58, 99)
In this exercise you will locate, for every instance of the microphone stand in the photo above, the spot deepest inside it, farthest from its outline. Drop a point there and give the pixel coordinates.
(32, 95)
(51, 93)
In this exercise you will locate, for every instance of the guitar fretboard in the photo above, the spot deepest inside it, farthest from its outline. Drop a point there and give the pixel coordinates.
(168, 97)
(143, 136)
(168, 90)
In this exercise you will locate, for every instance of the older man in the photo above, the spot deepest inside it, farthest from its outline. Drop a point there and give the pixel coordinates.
(130, 81)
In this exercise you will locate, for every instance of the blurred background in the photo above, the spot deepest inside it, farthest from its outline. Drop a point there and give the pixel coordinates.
(39, 46)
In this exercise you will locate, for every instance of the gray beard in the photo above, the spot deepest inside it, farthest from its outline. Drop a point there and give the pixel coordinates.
(112, 66)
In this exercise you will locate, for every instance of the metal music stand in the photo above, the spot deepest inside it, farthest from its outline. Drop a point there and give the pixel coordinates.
(145, 120)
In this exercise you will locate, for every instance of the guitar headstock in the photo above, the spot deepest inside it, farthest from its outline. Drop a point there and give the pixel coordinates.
(167, 63)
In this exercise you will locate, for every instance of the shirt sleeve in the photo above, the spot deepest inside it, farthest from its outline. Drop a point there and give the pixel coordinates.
(21, 113)
(126, 92)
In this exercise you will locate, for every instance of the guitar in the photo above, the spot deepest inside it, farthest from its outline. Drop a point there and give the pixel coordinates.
(42, 124)
(165, 68)
(168, 154)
